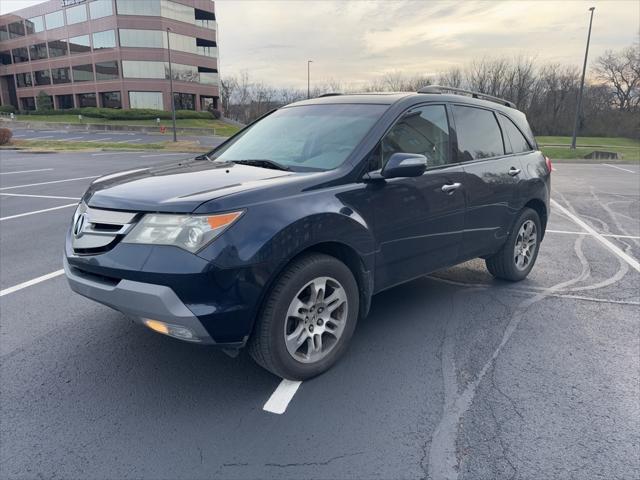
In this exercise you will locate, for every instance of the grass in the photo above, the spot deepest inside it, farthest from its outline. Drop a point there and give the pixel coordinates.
(557, 148)
(54, 146)
(222, 129)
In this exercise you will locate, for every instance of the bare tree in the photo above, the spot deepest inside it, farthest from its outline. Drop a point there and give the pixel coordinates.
(621, 70)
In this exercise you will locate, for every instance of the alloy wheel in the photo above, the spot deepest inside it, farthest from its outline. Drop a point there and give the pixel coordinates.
(526, 243)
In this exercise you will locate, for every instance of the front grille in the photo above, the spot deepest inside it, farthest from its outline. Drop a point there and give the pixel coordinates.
(95, 230)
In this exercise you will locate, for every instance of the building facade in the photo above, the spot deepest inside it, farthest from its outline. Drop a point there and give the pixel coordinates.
(110, 53)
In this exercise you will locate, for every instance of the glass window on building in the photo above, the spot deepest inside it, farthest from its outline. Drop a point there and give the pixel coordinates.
(137, 69)
(82, 73)
(16, 29)
(207, 48)
(110, 100)
(76, 14)
(61, 75)
(86, 100)
(177, 11)
(142, 38)
(24, 80)
(4, 33)
(107, 70)
(79, 44)
(20, 55)
(151, 100)
(208, 76)
(28, 103)
(205, 19)
(64, 102)
(58, 48)
(34, 24)
(184, 101)
(38, 51)
(100, 8)
(181, 43)
(5, 58)
(54, 20)
(42, 77)
(106, 39)
(138, 7)
(184, 73)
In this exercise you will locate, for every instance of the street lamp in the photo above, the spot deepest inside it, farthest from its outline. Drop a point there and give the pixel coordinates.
(584, 69)
(309, 62)
(173, 102)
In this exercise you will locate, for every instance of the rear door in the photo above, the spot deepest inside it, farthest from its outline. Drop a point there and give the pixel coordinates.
(418, 224)
(492, 175)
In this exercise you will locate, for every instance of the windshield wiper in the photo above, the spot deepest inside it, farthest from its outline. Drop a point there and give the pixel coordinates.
(263, 163)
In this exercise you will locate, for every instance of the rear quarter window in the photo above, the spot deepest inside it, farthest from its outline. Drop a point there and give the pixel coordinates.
(478, 133)
(513, 138)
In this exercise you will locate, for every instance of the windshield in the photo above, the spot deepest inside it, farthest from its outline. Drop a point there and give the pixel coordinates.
(304, 138)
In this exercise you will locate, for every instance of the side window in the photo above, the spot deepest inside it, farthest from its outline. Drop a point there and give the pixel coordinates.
(478, 133)
(513, 136)
(424, 130)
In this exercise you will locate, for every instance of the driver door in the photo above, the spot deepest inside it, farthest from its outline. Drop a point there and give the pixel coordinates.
(418, 223)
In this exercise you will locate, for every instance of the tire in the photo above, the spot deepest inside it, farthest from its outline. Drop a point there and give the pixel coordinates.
(504, 264)
(290, 311)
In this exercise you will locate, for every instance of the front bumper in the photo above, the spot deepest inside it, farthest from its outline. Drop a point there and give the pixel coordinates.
(138, 300)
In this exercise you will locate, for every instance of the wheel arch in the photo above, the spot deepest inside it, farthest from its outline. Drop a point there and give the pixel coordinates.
(541, 209)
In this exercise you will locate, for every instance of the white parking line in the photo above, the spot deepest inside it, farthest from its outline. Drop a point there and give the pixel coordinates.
(616, 250)
(38, 211)
(612, 235)
(110, 153)
(162, 155)
(280, 398)
(18, 136)
(38, 196)
(130, 141)
(40, 138)
(28, 283)
(619, 168)
(48, 183)
(98, 140)
(27, 171)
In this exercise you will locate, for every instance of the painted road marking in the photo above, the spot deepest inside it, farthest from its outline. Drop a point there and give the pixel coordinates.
(27, 171)
(280, 398)
(598, 236)
(28, 283)
(98, 140)
(38, 196)
(130, 141)
(611, 235)
(48, 183)
(619, 168)
(38, 211)
(110, 153)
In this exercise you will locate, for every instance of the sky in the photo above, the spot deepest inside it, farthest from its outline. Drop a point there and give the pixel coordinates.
(356, 41)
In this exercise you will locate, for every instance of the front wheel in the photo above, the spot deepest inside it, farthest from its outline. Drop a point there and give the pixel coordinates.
(516, 258)
(307, 319)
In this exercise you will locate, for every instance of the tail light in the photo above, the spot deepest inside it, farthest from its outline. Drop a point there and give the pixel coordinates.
(549, 165)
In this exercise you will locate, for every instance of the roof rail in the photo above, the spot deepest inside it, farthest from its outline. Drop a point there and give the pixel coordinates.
(460, 91)
(329, 95)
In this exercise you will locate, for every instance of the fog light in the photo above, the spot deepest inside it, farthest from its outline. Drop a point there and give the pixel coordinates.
(176, 331)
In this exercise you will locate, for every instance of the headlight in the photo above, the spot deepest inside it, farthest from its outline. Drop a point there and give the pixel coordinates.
(191, 232)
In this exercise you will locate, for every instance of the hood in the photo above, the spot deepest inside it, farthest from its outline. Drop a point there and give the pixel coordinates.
(178, 188)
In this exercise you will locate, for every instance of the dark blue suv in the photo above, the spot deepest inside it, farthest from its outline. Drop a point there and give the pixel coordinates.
(278, 238)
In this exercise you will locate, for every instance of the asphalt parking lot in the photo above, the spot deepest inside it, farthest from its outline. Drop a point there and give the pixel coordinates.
(125, 137)
(454, 375)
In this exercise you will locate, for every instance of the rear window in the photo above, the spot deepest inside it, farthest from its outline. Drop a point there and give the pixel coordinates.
(478, 133)
(513, 138)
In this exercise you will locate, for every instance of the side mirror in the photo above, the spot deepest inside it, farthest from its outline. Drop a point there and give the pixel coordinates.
(404, 165)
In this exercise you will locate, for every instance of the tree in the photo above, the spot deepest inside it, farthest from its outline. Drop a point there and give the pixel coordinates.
(621, 71)
(44, 101)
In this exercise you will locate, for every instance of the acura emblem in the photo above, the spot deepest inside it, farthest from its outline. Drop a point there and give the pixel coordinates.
(79, 225)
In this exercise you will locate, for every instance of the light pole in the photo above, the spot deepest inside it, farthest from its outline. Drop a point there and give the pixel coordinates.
(173, 101)
(584, 69)
(309, 62)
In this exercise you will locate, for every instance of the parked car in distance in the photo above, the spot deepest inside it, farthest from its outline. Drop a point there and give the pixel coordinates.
(278, 238)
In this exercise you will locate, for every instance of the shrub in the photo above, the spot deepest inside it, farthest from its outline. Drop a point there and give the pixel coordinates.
(217, 114)
(7, 109)
(44, 102)
(5, 136)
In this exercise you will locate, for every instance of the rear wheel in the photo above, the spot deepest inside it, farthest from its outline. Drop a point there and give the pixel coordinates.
(517, 256)
(307, 319)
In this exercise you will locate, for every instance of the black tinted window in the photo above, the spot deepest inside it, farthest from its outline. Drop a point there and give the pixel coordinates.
(424, 131)
(478, 133)
(513, 137)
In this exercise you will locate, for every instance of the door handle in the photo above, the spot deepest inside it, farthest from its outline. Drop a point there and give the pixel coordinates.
(451, 187)
(513, 171)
